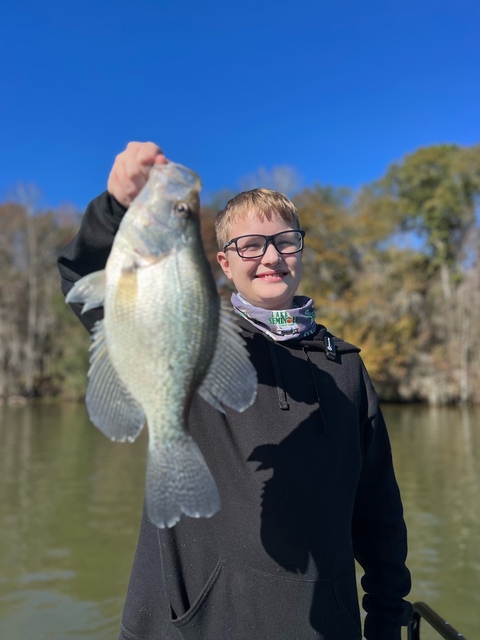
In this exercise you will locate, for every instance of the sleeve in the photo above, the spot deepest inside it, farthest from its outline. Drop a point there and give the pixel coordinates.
(89, 249)
(379, 532)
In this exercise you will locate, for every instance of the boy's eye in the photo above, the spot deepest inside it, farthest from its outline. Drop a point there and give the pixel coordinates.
(251, 244)
(287, 243)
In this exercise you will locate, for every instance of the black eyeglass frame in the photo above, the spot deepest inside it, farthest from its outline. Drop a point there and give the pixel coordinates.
(268, 240)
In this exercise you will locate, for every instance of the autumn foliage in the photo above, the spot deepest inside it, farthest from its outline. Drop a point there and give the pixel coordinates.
(394, 268)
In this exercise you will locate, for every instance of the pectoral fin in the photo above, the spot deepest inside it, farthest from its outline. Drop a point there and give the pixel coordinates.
(231, 379)
(89, 290)
(110, 405)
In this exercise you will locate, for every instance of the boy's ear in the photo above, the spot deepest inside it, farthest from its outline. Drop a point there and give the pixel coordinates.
(225, 264)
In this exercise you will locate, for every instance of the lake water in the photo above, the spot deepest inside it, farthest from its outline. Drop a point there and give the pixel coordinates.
(70, 503)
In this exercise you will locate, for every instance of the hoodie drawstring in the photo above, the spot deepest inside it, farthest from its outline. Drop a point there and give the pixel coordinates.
(312, 371)
(282, 396)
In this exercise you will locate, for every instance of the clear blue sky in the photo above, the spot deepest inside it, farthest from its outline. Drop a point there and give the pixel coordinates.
(336, 89)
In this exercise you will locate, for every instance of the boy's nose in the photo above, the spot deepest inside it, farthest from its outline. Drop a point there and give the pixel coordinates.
(271, 255)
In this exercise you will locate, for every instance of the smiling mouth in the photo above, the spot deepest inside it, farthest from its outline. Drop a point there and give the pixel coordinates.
(271, 276)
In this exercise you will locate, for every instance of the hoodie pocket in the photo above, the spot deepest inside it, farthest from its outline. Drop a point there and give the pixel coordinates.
(242, 603)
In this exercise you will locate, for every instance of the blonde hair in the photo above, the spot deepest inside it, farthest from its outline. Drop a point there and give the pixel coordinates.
(262, 203)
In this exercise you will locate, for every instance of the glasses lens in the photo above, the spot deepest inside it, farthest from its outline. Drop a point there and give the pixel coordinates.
(288, 242)
(251, 246)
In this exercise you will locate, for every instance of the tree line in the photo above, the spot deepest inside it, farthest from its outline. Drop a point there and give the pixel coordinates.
(393, 267)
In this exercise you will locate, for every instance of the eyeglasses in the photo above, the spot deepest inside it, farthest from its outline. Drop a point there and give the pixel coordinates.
(285, 242)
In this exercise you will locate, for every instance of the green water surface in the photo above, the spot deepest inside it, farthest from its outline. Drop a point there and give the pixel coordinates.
(70, 505)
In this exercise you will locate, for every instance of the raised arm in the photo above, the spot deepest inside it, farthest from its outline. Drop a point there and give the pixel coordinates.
(89, 249)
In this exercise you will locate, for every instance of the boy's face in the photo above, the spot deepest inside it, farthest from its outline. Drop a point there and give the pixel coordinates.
(268, 282)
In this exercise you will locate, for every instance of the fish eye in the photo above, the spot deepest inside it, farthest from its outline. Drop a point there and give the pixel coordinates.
(182, 210)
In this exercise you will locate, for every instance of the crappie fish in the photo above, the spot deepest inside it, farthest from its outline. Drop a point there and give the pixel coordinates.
(164, 337)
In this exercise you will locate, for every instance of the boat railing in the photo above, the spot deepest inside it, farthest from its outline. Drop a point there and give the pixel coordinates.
(441, 626)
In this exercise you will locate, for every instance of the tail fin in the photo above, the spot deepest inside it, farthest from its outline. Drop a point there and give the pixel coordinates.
(179, 481)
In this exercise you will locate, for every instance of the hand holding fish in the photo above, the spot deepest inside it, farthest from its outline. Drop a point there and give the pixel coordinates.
(131, 169)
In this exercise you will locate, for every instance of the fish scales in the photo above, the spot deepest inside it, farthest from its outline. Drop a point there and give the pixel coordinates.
(164, 338)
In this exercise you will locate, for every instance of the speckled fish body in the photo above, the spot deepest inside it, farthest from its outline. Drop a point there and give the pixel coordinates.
(164, 337)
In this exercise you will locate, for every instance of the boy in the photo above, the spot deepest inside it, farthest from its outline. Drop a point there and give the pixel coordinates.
(305, 474)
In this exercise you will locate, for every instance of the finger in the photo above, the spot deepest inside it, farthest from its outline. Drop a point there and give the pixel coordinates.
(120, 183)
(138, 159)
(147, 153)
(161, 159)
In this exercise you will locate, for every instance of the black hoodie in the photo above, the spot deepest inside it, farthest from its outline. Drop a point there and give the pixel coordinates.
(306, 484)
